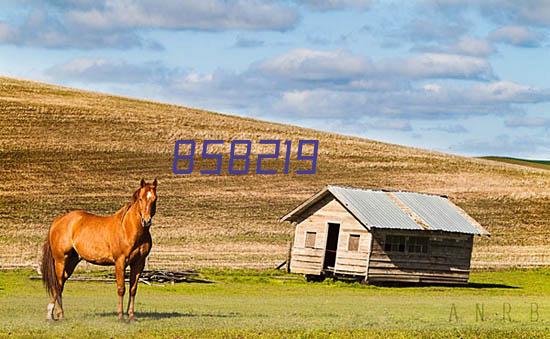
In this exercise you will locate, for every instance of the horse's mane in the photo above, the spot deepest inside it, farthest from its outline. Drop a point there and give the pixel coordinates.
(124, 209)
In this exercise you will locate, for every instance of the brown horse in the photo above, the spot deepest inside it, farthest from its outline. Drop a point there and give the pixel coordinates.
(120, 239)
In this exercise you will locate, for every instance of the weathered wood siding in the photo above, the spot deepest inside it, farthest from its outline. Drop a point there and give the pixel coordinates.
(352, 262)
(447, 260)
(310, 260)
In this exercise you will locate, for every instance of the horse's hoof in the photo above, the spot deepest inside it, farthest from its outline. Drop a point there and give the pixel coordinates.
(120, 317)
(133, 319)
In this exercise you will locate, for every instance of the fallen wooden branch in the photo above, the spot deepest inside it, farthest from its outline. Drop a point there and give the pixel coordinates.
(147, 277)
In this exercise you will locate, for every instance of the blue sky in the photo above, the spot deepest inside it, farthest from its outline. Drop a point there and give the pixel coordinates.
(459, 76)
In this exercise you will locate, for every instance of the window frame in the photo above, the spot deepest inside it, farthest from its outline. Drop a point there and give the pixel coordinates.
(406, 244)
(309, 234)
(392, 244)
(423, 249)
(355, 242)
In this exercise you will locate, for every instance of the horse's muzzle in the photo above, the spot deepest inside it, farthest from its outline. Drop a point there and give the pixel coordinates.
(146, 223)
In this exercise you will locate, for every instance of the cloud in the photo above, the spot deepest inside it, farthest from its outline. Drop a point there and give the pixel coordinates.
(322, 103)
(242, 42)
(421, 30)
(452, 129)
(505, 145)
(43, 29)
(517, 36)
(109, 71)
(341, 66)
(465, 45)
(472, 46)
(395, 125)
(210, 15)
(417, 102)
(328, 5)
(528, 122)
(530, 13)
(306, 64)
(442, 65)
(508, 92)
(337, 85)
(120, 24)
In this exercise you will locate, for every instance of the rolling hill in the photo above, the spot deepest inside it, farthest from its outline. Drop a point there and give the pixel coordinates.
(544, 164)
(63, 149)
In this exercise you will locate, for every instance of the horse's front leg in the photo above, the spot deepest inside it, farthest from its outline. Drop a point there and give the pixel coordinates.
(120, 268)
(135, 272)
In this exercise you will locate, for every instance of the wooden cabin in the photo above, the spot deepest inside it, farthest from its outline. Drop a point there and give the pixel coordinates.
(381, 236)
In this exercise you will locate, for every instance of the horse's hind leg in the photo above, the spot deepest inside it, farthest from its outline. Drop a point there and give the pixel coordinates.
(71, 260)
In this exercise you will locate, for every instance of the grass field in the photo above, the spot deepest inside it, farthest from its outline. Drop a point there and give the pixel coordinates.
(63, 149)
(247, 303)
(543, 164)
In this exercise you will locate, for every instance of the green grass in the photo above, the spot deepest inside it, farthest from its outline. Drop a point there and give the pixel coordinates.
(245, 303)
(543, 164)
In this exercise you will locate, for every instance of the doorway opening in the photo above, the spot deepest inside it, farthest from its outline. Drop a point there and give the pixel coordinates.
(332, 246)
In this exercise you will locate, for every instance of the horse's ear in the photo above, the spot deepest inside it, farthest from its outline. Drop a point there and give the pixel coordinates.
(155, 182)
(142, 183)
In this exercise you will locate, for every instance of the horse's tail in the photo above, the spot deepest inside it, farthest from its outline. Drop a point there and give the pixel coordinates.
(49, 278)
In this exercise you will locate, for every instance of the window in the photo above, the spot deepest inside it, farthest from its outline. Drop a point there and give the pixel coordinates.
(353, 244)
(399, 243)
(310, 239)
(394, 243)
(417, 245)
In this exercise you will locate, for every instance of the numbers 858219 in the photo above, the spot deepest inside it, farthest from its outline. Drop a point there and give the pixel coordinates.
(239, 163)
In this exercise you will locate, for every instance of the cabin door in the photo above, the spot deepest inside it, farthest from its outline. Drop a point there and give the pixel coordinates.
(332, 246)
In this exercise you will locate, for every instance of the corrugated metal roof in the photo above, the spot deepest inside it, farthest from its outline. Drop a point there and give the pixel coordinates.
(438, 212)
(374, 208)
(397, 210)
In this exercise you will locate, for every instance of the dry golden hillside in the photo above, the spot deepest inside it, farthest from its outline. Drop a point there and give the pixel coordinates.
(63, 149)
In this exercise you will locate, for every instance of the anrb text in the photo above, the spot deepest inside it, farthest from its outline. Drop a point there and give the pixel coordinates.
(505, 314)
(240, 155)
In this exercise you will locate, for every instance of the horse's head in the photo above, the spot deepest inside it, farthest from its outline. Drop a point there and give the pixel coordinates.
(146, 199)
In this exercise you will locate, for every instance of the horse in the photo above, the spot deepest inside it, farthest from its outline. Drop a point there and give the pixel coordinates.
(121, 239)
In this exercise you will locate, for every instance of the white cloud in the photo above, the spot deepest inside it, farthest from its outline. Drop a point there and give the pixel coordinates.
(423, 30)
(528, 122)
(317, 103)
(441, 65)
(395, 125)
(508, 92)
(517, 36)
(326, 5)
(244, 42)
(101, 70)
(452, 129)
(505, 145)
(472, 46)
(306, 64)
(44, 29)
(531, 12)
(120, 24)
(309, 64)
(326, 85)
(186, 14)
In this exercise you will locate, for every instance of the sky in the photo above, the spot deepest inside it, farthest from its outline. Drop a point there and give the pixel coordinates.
(458, 76)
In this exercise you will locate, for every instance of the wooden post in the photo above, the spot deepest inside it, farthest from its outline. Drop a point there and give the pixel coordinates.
(289, 256)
